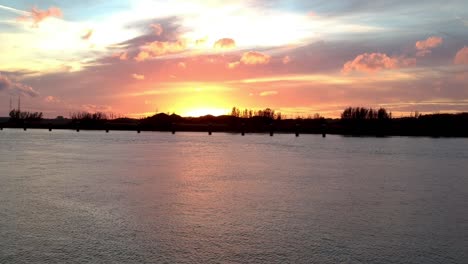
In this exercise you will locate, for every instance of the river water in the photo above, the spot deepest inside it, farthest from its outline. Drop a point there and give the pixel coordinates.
(123, 197)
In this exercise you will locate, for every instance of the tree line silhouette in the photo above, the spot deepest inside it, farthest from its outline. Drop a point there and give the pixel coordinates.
(362, 113)
(267, 113)
(83, 116)
(17, 115)
(355, 121)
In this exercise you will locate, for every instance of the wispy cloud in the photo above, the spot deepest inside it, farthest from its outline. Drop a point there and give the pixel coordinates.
(96, 108)
(37, 15)
(15, 87)
(14, 10)
(52, 99)
(138, 77)
(268, 93)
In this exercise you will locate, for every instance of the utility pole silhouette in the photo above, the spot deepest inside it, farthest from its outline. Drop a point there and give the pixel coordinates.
(19, 103)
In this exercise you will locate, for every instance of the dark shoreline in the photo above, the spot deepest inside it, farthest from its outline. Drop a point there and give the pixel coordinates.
(437, 125)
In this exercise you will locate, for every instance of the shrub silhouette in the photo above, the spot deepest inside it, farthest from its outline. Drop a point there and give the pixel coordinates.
(17, 115)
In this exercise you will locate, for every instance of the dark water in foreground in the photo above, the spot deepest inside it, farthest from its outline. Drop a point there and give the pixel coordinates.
(122, 197)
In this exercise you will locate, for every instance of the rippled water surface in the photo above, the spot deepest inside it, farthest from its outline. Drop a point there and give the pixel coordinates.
(123, 197)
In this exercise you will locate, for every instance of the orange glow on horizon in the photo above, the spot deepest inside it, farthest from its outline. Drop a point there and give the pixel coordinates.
(203, 100)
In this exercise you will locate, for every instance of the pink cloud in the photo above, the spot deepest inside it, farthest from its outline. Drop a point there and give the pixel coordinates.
(462, 56)
(372, 62)
(225, 43)
(142, 56)
(138, 77)
(424, 47)
(5, 83)
(159, 48)
(431, 42)
(37, 15)
(286, 60)
(122, 55)
(16, 88)
(182, 65)
(52, 99)
(254, 57)
(88, 34)
(158, 29)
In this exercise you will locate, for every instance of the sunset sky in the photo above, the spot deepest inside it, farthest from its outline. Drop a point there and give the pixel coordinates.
(135, 58)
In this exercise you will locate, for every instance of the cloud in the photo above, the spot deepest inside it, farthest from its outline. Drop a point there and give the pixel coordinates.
(96, 108)
(16, 88)
(254, 57)
(225, 43)
(138, 77)
(286, 60)
(429, 43)
(37, 15)
(88, 34)
(462, 56)
(5, 83)
(142, 56)
(159, 48)
(372, 62)
(158, 29)
(171, 32)
(52, 99)
(121, 55)
(25, 90)
(182, 65)
(14, 10)
(268, 93)
(233, 65)
(250, 58)
(424, 47)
